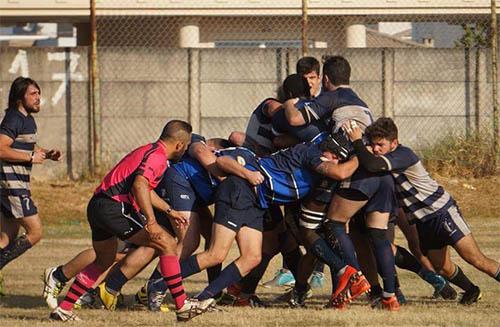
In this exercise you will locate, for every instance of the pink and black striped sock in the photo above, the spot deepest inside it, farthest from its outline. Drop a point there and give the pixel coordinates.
(171, 272)
(83, 282)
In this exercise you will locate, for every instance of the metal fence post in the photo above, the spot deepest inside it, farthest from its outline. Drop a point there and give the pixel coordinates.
(494, 77)
(95, 92)
(304, 27)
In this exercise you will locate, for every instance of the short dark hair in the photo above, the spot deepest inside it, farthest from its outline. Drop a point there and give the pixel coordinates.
(337, 69)
(18, 90)
(296, 86)
(305, 65)
(176, 130)
(384, 127)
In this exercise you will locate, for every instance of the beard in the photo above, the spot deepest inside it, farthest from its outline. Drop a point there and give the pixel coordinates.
(34, 108)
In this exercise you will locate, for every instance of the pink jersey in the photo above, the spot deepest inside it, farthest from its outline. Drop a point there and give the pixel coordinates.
(149, 161)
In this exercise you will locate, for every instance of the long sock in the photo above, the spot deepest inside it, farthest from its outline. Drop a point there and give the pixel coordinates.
(406, 260)
(229, 275)
(458, 278)
(156, 274)
(214, 272)
(171, 272)
(322, 250)
(497, 275)
(189, 266)
(337, 235)
(385, 259)
(14, 249)
(59, 275)
(291, 259)
(83, 282)
(250, 282)
(115, 281)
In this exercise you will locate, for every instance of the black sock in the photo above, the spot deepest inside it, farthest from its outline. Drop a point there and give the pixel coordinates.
(497, 275)
(385, 258)
(59, 275)
(14, 249)
(229, 275)
(250, 282)
(213, 272)
(301, 288)
(458, 278)
(115, 281)
(189, 266)
(337, 236)
(322, 250)
(406, 260)
(292, 259)
(156, 274)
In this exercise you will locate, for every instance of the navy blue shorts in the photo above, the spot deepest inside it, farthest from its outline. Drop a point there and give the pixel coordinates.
(179, 193)
(17, 206)
(378, 189)
(443, 230)
(236, 205)
(108, 218)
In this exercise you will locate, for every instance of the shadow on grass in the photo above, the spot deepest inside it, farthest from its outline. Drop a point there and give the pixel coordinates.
(22, 301)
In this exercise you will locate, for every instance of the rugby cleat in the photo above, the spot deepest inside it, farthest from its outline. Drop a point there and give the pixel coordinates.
(317, 279)
(351, 285)
(52, 287)
(141, 297)
(387, 303)
(252, 301)
(108, 299)
(283, 277)
(447, 293)
(441, 286)
(289, 295)
(471, 296)
(400, 296)
(62, 315)
(156, 293)
(193, 308)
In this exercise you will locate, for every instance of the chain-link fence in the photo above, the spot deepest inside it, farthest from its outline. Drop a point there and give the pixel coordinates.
(432, 73)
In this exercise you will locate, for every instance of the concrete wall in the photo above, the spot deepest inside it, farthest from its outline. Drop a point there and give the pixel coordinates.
(427, 91)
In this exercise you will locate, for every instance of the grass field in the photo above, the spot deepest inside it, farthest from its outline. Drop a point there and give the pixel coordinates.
(62, 207)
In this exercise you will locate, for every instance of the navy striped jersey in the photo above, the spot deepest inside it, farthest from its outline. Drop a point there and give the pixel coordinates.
(420, 196)
(289, 174)
(259, 128)
(305, 133)
(323, 106)
(15, 176)
(201, 181)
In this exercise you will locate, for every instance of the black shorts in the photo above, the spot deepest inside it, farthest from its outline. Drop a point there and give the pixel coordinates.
(236, 205)
(17, 206)
(378, 189)
(108, 218)
(272, 218)
(445, 229)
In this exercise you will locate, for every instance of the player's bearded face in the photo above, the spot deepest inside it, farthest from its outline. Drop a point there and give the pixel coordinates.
(383, 146)
(31, 100)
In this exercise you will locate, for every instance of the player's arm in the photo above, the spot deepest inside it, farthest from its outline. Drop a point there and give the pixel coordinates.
(142, 195)
(231, 166)
(162, 205)
(292, 113)
(338, 171)
(367, 160)
(206, 158)
(7, 153)
(272, 106)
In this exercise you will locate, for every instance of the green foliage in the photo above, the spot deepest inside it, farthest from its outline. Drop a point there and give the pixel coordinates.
(475, 36)
(462, 156)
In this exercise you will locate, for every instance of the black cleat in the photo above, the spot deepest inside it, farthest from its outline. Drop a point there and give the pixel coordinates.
(471, 296)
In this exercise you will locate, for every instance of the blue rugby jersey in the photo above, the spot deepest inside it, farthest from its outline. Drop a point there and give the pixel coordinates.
(323, 106)
(259, 127)
(15, 177)
(201, 181)
(420, 196)
(289, 174)
(306, 133)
